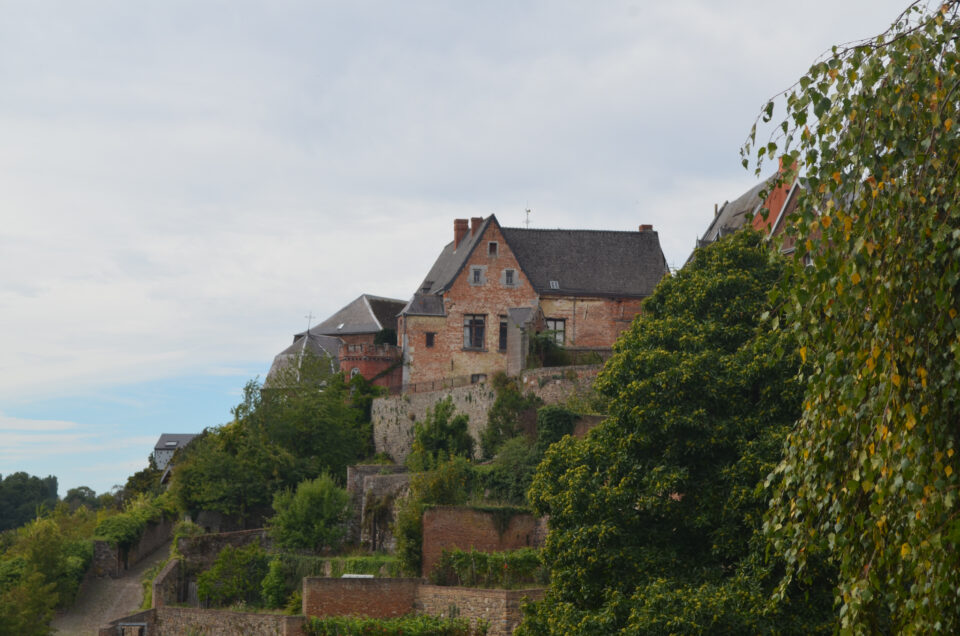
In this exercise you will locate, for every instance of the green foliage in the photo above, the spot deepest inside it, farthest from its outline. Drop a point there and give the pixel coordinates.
(146, 481)
(273, 588)
(22, 495)
(386, 336)
(505, 570)
(236, 576)
(511, 414)
(441, 435)
(545, 352)
(871, 472)
(124, 530)
(507, 478)
(313, 518)
(452, 482)
(82, 496)
(662, 495)
(553, 423)
(403, 626)
(286, 572)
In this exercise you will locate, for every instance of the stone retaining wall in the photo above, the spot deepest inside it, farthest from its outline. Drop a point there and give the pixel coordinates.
(113, 561)
(394, 416)
(499, 608)
(177, 621)
(167, 585)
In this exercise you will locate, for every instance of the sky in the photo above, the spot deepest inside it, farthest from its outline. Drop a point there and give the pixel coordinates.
(183, 182)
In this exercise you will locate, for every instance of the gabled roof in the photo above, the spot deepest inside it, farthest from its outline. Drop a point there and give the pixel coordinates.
(559, 262)
(733, 215)
(366, 314)
(589, 262)
(173, 441)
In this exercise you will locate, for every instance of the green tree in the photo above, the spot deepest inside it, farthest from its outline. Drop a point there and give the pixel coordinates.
(22, 496)
(311, 518)
(871, 472)
(441, 435)
(236, 575)
(654, 515)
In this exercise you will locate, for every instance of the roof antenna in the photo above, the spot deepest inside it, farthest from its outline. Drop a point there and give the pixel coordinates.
(309, 317)
(528, 219)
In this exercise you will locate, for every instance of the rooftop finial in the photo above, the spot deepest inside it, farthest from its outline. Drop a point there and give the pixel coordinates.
(528, 218)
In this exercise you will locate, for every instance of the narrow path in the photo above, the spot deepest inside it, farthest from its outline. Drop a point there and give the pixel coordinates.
(100, 601)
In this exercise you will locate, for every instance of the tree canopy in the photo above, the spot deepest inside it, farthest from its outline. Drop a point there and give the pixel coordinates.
(871, 472)
(654, 516)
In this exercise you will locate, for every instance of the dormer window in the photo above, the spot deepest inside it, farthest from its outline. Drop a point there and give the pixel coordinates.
(554, 284)
(492, 248)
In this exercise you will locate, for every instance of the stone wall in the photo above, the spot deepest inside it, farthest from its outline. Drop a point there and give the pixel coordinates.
(499, 608)
(449, 527)
(378, 598)
(394, 416)
(112, 561)
(167, 585)
(176, 621)
(379, 476)
(385, 490)
(201, 551)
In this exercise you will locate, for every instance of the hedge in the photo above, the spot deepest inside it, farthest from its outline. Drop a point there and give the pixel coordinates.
(502, 570)
(409, 625)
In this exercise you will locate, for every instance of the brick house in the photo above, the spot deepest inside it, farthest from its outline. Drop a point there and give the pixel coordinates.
(359, 339)
(492, 287)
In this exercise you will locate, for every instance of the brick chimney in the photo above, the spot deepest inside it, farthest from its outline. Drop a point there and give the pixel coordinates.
(460, 229)
(646, 228)
(475, 224)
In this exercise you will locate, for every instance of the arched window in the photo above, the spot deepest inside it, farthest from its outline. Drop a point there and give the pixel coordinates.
(354, 372)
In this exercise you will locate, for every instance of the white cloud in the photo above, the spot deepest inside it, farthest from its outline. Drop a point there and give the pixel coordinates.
(8, 423)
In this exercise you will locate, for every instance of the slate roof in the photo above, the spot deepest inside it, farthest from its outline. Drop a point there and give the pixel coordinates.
(366, 314)
(589, 262)
(733, 215)
(289, 357)
(606, 263)
(180, 440)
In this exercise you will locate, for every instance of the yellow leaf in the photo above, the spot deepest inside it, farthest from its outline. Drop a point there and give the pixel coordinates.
(836, 177)
(826, 221)
(905, 550)
(948, 470)
(911, 421)
(953, 313)
(839, 288)
(895, 378)
(949, 452)
(948, 124)
(855, 278)
(803, 354)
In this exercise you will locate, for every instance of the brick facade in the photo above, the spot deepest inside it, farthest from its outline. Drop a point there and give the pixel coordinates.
(449, 527)
(378, 598)
(591, 323)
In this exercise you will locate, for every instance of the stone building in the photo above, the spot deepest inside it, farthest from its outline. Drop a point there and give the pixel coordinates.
(492, 287)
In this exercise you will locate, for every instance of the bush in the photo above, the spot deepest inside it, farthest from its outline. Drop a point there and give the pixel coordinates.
(505, 570)
(440, 436)
(236, 575)
(508, 476)
(511, 414)
(313, 517)
(124, 530)
(404, 625)
(286, 572)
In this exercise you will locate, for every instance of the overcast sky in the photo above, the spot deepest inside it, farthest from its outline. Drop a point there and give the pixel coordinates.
(181, 183)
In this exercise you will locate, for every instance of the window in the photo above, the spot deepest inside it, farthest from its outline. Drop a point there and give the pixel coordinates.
(508, 277)
(559, 327)
(477, 275)
(492, 248)
(473, 331)
(554, 284)
(478, 377)
(503, 333)
(355, 348)
(430, 338)
(354, 372)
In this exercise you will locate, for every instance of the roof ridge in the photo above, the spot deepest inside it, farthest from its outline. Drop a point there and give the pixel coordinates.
(560, 229)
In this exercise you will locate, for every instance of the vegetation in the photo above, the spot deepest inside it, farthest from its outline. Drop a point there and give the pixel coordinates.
(124, 530)
(405, 626)
(657, 509)
(236, 576)
(508, 570)
(286, 572)
(440, 436)
(511, 414)
(871, 473)
(313, 517)
(22, 495)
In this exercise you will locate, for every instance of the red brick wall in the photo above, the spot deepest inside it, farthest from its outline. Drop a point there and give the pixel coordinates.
(448, 527)
(491, 299)
(591, 322)
(378, 598)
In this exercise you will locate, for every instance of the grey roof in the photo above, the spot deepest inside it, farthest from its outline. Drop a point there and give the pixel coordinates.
(289, 357)
(179, 439)
(590, 262)
(366, 314)
(597, 262)
(732, 216)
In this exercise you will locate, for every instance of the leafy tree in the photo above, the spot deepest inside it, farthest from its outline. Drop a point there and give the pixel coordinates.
(82, 496)
(313, 517)
(146, 481)
(654, 511)
(511, 414)
(236, 575)
(441, 435)
(22, 495)
(871, 472)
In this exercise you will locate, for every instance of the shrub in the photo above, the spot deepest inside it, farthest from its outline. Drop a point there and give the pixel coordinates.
(508, 477)
(441, 435)
(236, 575)
(511, 414)
(405, 625)
(313, 517)
(509, 569)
